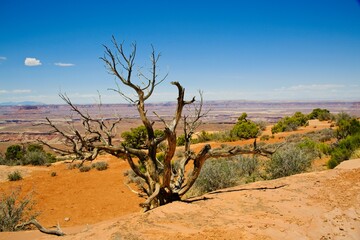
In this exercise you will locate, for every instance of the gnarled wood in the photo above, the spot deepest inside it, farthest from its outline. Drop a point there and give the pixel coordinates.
(160, 181)
(57, 232)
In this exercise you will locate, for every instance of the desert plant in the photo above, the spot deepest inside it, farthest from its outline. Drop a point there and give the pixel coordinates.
(248, 165)
(15, 176)
(15, 210)
(136, 137)
(346, 125)
(33, 154)
(224, 173)
(217, 174)
(96, 134)
(265, 137)
(344, 149)
(34, 147)
(100, 166)
(84, 168)
(35, 158)
(53, 174)
(72, 166)
(3, 161)
(245, 129)
(321, 114)
(292, 123)
(332, 163)
(355, 154)
(14, 152)
(288, 160)
(180, 140)
(262, 125)
(204, 137)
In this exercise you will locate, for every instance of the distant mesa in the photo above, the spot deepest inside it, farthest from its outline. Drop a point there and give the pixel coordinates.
(26, 103)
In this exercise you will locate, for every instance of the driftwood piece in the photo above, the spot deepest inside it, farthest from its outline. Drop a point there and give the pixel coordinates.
(57, 232)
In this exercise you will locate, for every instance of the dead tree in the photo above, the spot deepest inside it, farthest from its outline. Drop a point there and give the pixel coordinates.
(161, 181)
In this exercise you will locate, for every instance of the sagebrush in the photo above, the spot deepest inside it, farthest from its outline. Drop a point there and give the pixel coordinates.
(15, 211)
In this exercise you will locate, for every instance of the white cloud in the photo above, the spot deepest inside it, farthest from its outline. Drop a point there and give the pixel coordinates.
(19, 91)
(2, 58)
(32, 62)
(16, 91)
(313, 87)
(64, 64)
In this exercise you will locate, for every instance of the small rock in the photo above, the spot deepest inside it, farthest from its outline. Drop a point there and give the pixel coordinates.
(66, 219)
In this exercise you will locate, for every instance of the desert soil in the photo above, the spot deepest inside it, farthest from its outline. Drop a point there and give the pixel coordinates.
(317, 205)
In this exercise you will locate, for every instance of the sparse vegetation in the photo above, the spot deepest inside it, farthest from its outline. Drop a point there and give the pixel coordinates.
(223, 173)
(292, 123)
(321, 114)
(84, 168)
(265, 137)
(344, 150)
(348, 135)
(217, 174)
(33, 154)
(289, 160)
(15, 176)
(100, 166)
(15, 211)
(136, 137)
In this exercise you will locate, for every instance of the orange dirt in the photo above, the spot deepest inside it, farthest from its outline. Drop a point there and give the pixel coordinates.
(318, 205)
(83, 197)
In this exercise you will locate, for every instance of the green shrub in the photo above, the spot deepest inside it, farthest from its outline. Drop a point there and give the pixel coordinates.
(34, 155)
(3, 161)
(223, 173)
(265, 137)
(203, 137)
(14, 152)
(344, 149)
(355, 154)
(14, 211)
(84, 168)
(245, 129)
(72, 166)
(287, 161)
(262, 125)
(332, 163)
(216, 174)
(35, 158)
(15, 176)
(180, 140)
(33, 147)
(248, 165)
(136, 137)
(346, 126)
(321, 114)
(100, 166)
(292, 123)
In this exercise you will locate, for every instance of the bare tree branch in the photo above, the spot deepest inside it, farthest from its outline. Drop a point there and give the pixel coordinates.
(42, 229)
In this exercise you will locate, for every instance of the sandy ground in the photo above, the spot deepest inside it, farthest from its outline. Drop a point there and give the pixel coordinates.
(319, 205)
(83, 197)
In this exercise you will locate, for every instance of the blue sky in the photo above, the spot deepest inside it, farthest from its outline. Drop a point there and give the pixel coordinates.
(252, 50)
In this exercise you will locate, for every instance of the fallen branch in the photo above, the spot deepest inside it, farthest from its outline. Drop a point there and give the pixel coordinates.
(248, 189)
(42, 229)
